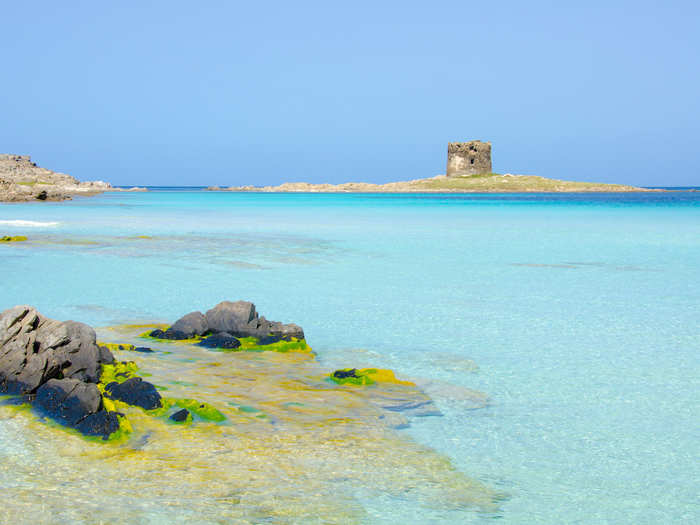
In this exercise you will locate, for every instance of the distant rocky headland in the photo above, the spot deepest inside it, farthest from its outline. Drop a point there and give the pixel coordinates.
(468, 171)
(21, 180)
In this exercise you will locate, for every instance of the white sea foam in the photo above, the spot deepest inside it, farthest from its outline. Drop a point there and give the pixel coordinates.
(32, 224)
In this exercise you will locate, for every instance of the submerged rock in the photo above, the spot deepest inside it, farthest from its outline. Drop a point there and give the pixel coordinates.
(367, 376)
(344, 374)
(221, 340)
(180, 415)
(35, 349)
(134, 391)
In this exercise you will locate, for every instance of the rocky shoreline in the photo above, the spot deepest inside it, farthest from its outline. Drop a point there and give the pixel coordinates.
(21, 180)
(62, 373)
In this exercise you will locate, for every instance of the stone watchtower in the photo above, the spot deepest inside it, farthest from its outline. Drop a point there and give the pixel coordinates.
(468, 158)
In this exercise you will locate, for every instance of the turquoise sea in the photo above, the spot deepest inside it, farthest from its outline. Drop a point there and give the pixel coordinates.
(577, 315)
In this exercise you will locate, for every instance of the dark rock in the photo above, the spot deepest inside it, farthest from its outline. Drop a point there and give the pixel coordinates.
(16, 400)
(344, 374)
(191, 324)
(134, 391)
(270, 339)
(221, 340)
(231, 317)
(102, 423)
(168, 334)
(42, 195)
(77, 405)
(68, 401)
(35, 349)
(143, 349)
(180, 415)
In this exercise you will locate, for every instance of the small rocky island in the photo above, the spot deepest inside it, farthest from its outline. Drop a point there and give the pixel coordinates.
(21, 180)
(468, 171)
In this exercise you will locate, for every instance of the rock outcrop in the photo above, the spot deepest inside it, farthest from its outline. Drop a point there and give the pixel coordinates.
(35, 349)
(56, 365)
(191, 325)
(228, 320)
(22, 180)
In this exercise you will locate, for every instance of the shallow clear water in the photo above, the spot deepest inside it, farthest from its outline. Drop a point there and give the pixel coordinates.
(576, 314)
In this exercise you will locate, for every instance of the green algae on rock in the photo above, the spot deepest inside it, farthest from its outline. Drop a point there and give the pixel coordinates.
(366, 376)
(200, 409)
(118, 371)
(292, 345)
(250, 344)
(113, 347)
(13, 238)
(227, 323)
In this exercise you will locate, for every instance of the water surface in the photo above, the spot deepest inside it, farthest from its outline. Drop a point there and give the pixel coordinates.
(576, 314)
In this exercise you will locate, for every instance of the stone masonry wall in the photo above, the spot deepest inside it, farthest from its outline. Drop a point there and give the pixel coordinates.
(468, 158)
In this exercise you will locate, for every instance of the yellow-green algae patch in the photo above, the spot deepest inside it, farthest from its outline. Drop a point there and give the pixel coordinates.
(201, 409)
(249, 344)
(119, 372)
(129, 328)
(327, 442)
(117, 347)
(366, 376)
(13, 238)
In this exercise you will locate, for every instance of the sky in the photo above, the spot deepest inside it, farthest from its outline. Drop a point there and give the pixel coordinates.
(233, 93)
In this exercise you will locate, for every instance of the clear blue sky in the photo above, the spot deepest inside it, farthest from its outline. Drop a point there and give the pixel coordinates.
(196, 93)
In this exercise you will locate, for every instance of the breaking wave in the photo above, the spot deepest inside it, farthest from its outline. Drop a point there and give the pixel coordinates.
(33, 224)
